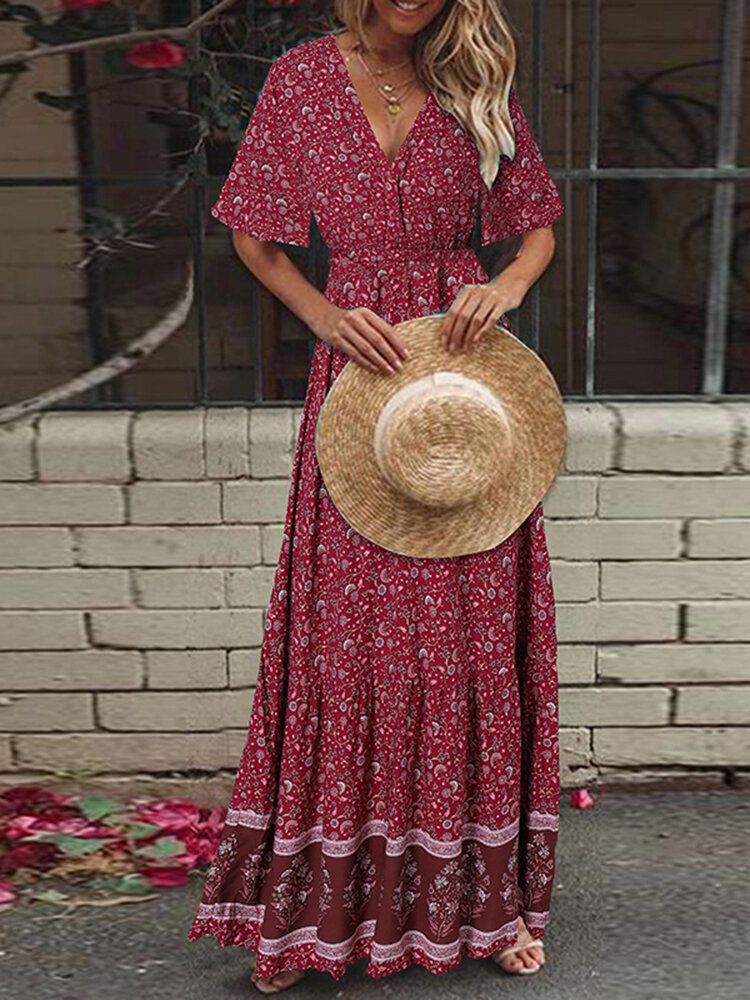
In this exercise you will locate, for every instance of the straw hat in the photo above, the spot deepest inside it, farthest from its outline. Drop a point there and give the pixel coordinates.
(450, 454)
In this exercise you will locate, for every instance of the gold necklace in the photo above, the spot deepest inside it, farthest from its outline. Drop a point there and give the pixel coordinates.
(388, 92)
(387, 69)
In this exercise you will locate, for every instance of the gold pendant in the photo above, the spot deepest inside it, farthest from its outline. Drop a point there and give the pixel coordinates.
(394, 107)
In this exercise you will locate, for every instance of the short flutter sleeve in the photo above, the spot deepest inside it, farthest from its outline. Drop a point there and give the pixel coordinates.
(523, 196)
(265, 194)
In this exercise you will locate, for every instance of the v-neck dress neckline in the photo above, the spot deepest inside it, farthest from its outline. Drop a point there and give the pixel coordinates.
(408, 139)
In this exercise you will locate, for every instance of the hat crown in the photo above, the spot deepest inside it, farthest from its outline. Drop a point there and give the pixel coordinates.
(442, 439)
(517, 423)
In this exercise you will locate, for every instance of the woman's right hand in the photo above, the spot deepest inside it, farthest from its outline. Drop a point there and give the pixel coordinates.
(365, 337)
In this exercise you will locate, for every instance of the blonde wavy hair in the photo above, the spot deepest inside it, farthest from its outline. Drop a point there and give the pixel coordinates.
(467, 56)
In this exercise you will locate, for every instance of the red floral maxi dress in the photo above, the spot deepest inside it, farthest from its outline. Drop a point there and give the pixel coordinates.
(397, 797)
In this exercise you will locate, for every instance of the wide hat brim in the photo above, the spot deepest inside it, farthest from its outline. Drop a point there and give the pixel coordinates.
(377, 510)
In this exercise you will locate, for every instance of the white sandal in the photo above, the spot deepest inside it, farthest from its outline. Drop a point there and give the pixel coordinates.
(513, 949)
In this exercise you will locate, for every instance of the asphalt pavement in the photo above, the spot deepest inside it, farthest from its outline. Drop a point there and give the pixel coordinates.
(651, 902)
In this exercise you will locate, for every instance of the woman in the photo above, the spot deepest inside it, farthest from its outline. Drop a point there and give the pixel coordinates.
(397, 797)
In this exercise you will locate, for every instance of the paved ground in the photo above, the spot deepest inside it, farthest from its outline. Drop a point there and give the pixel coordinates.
(647, 884)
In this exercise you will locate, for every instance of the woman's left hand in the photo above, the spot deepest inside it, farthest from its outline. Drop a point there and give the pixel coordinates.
(476, 309)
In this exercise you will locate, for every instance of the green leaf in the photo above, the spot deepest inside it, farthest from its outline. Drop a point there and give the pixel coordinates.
(114, 60)
(165, 847)
(108, 19)
(132, 883)
(195, 164)
(78, 847)
(98, 806)
(138, 831)
(51, 896)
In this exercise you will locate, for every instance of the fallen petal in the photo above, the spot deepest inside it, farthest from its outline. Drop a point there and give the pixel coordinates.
(581, 799)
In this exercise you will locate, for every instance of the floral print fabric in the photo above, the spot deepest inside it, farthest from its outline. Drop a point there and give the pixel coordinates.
(397, 797)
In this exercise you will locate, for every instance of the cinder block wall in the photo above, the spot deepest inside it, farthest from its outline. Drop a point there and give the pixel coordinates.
(138, 552)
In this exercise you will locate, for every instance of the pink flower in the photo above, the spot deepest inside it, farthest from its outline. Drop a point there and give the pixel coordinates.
(22, 827)
(36, 855)
(580, 799)
(164, 876)
(154, 55)
(32, 798)
(171, 815)
(7, 892)
(201, 845)
(198, 828)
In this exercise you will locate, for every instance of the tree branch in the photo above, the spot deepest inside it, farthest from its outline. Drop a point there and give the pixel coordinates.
(126, 359)
(125, 37)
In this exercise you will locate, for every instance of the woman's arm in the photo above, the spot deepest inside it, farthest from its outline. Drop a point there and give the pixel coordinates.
(476, 308)
(359, 332)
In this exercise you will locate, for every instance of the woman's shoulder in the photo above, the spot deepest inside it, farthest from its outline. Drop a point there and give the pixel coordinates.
(297, 58)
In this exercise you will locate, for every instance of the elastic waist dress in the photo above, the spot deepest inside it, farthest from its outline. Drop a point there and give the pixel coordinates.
(398, 794)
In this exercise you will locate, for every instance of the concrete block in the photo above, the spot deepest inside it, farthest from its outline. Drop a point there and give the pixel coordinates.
(42, 713)
(575, 581)
(627, 496)
(48, 504)
(614, 706)
(632, 539)
(227, 434)
(674, 662)
(112, 753)
(17, 450)
(179, 588)
(271, 538)
(71, 670)
(36, 547)
(250, 587)
(717, 621)
(177, 629)
(678, 579)
(591, 437)
(64, 588)
(41, 630)
(178, 711)
(168, 444)
(719, 539)
(271, 451)
(84, 446)
(243, 667)
(263, 502)
(571, 496)
(575, 664)
(191, 668)
(739, 412)
(175, 503)
(575, 749)
(711, 705)
(618, 621)
(170, 546)
(669, 745)
(675, 437)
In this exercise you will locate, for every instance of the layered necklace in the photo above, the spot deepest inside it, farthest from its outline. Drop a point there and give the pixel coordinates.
(392, 95)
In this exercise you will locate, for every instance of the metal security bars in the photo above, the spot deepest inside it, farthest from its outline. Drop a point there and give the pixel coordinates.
(562, 317)
(724, 175)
